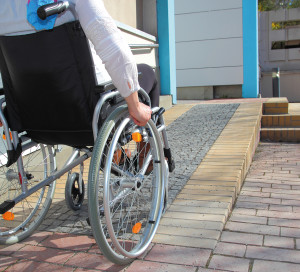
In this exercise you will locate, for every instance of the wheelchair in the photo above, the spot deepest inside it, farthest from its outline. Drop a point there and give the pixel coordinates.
(51, 99)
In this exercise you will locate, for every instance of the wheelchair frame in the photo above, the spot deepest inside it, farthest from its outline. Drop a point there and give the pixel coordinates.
(76, 159)
(102, 221)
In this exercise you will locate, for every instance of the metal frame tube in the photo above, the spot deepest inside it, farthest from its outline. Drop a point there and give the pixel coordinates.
(5, 125)
(101, 102)
(53, 177)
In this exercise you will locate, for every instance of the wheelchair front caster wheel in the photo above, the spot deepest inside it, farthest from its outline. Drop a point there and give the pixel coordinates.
(73, 195)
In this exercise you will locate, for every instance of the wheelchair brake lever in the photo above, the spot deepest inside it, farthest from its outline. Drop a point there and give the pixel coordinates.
(157, 114)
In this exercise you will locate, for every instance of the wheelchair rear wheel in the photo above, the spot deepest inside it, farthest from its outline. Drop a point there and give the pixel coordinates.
(20, 221)
(126, 187)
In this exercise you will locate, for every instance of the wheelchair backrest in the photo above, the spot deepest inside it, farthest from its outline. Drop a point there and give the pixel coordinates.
(49, 84)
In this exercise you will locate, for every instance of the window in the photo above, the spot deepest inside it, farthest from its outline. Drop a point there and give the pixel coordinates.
(285, 44)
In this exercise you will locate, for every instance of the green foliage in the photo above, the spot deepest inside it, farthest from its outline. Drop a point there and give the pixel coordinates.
(266, 5)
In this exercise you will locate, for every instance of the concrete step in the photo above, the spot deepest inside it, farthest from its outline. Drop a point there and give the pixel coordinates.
(165, 101)
(276, 105)
(280, 134)
(280, 120)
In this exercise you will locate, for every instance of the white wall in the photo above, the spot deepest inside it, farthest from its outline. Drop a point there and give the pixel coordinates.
(125, 11)
(209, 42)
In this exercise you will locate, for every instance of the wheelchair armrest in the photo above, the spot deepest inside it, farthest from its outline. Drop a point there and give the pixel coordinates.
(104, 87)
(108, 85)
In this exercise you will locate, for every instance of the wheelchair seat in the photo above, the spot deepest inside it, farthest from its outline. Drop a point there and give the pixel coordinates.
(49, 85)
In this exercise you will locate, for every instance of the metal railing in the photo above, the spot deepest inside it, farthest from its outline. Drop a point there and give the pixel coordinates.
(142, 46)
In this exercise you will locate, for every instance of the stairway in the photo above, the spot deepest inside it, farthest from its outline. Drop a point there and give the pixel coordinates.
(280, 121)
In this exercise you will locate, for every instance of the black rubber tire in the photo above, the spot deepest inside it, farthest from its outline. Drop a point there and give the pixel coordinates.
(73, 197)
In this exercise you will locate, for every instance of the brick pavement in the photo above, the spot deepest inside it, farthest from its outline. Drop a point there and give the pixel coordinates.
(260, 235)
(263, 231)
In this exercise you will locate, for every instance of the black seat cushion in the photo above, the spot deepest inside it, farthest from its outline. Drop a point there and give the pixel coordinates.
(49, 85)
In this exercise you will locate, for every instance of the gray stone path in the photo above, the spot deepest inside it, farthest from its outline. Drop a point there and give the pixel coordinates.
(190, 137)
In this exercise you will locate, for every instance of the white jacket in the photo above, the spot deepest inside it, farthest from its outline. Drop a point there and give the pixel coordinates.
(106, 39)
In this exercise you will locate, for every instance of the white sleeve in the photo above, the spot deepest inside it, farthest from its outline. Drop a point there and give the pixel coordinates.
(109, 44)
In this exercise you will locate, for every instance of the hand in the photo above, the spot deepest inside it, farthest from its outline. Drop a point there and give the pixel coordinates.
(141, 115)
(139, 112)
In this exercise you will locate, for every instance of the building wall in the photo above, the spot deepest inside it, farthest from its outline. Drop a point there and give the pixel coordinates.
(126, 11)
(288, 60)
(289, 85)
(131, 17)
(139, 14)
(209, 44)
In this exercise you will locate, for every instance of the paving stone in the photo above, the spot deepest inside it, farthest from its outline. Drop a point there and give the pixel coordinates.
(29, 266)
(266, 200)
(92, 261)
(279, 214)
(179, 255)
(259, 266)
(251, 205)
(282, 242)
(244, 211)
(9, 250)
(290, 232)
(36, 238)
(195, 216)
(205, 197)
(146, 266)
(185, 241)
(248, 219)
(242, 238)
(6, 261)
(252, 228)
(282, 208)
(195, 223)
(193, 209)
(273, 254)
(230, 249)
(68, 241)
(229, 263)
(42, 254)
(284, 222)
(189, 232)
(298, 243)
(199, 203)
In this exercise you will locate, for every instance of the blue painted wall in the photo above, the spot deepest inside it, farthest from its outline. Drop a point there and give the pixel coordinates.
(166, 40)
(250, 49)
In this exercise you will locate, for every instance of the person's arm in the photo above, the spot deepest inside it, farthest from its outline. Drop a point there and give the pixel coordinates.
(115, 53)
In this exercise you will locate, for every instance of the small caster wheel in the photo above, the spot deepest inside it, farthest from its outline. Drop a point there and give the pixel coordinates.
(74, 198)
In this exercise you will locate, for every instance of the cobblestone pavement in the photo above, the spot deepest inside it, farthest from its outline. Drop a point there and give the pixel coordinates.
(190, 137)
